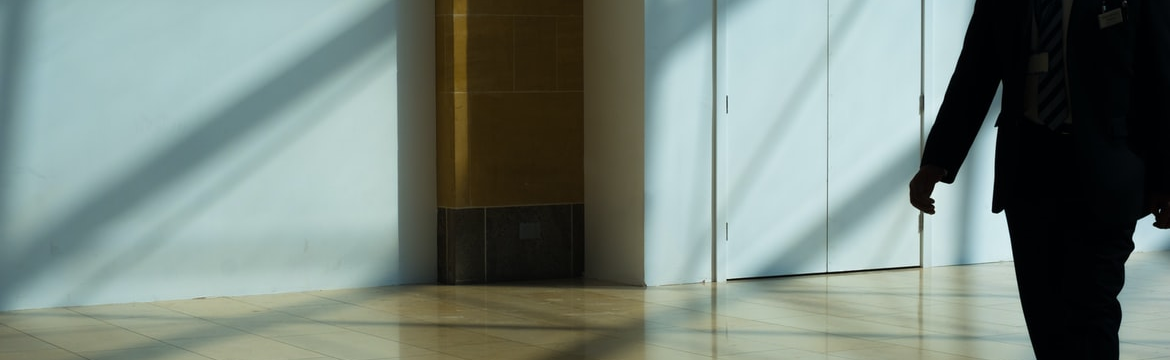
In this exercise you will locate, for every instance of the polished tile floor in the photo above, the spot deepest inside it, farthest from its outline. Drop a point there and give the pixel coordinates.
(964, 312)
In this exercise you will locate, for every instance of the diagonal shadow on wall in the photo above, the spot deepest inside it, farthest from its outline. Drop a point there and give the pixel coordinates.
(882, 188)
(73, 234)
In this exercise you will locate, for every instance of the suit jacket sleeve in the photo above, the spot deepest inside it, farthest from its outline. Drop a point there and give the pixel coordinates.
(969, 95)
(1151, 93)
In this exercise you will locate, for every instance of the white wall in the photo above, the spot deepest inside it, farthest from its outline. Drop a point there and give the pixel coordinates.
(679, 133)
(964, 230)
(873, 129)
(175, 149)
(648, 141)
(648, 145)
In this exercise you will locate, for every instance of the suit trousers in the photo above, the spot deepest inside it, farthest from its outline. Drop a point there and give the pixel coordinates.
(1070, 264)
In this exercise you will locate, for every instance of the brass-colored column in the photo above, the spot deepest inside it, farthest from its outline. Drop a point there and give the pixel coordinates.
(509, 135)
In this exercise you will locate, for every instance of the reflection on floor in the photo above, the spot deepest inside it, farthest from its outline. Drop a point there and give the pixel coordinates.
(966, 312)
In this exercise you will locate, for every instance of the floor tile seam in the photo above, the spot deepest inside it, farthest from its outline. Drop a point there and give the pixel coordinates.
(26, 334)
(803, 311)
(58, 347)
(512, 313)
(964, 330)
(678, 349)
(876, 345)
(928, 335)
(834, 333)
(291, 307)
(546, 327)
(578, 323)
(510, 343)
(164, 345)
(430, 347)
(111, 323)
(439, 348)
(177, 346)
(203, 342)
(364, 300)
(268, 326)
(870, 343)
(1016, 321)
(202, 316)
(75, 314)
(747, 314)
(78, 309)
(973, 316)
(370, 307)
(977, 347)
(917, 350)
(1026, 348)
(706, 309)
(331, 322)
(808, 333)
(233, 322)
(1021, 339)
(856, 313)
(996, 305)
(657, 327)
(878, 338)
(505, 314)
(676, 325)
(543, 340)
(761, 353)
(977, 332)
(278, 339)
(851, 297)
(727, 332)
(640, 344)
(779, 320)
(74, 353)
(112, 326)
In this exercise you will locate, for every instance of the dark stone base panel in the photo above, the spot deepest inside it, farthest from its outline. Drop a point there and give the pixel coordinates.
(480, 245)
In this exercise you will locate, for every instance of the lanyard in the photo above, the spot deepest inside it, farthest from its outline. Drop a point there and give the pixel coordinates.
(1105, 7)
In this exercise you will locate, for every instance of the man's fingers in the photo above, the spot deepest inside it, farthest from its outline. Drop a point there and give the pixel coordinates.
(1162, 223)
(1162, 216)
(922, 202)
(926, 207)
(922, 186)
(920, 196)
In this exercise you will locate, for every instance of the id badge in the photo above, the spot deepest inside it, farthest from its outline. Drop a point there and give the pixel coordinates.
(1110, 18)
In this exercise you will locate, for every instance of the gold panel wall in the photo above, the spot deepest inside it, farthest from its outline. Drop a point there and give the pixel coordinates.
(510, 117)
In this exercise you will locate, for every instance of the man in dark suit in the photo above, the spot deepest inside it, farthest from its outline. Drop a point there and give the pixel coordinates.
(1082, 151)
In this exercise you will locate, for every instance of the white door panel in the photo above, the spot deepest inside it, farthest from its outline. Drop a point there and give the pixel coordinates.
(873, 123)
(817, 135)
(774, 145)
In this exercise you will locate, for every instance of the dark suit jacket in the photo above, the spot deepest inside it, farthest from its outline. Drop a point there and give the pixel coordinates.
(1119, 85)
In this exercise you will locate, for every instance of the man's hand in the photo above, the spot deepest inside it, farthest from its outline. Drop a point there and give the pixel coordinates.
(1159, 205)
(922, 185)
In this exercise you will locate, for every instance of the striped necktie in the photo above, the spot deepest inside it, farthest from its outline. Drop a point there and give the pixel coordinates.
(1052, 97)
